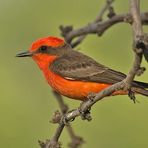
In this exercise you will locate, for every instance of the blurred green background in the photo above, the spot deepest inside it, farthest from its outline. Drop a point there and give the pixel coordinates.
(26, 101)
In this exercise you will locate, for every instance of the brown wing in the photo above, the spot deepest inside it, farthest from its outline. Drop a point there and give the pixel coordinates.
(76, 66)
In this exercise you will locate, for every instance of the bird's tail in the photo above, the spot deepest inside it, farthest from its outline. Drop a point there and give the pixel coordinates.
(141, 88)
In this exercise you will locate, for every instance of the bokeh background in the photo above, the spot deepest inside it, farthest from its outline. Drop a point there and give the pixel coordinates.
(26, 101)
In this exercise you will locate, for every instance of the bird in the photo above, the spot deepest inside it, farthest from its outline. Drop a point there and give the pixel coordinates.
(74, 74)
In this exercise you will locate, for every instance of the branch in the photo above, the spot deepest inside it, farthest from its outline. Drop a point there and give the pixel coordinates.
(138, 38)
(106, 7)
(98, 27)
(85, 107)
(81, 111)
(99, 18)
(76, 141)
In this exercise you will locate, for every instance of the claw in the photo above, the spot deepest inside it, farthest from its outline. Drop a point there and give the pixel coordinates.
(91, 96)
(85, 115)
(132, 96)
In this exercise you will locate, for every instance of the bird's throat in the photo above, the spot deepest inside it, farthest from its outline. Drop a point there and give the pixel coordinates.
(43, 61)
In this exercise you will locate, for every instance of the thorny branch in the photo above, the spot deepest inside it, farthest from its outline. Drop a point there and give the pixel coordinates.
(140, 44)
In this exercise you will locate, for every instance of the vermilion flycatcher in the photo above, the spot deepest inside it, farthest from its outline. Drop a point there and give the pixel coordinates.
(72, 73)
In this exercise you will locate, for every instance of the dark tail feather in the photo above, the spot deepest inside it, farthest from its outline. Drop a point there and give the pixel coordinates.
(145, 52)
(140, 88)
(141, 84)
(141, 91)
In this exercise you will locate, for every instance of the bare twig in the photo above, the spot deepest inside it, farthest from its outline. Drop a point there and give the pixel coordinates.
(99, 18)
(53, 143)
(62, 105)
(100, 27)
(76, 141)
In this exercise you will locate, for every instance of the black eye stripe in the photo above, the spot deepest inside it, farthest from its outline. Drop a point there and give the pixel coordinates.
(43, 48)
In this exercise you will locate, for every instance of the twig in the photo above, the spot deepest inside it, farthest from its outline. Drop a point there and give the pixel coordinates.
(99, 18)
(99, 27)
(62, 105)
(76, 141)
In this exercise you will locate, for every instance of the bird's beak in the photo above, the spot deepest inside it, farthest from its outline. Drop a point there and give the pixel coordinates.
(25, 54)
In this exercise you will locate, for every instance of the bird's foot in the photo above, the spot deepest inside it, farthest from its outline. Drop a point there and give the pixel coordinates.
(140, 71)
(132, 96)
(91, 96)
(85, 115)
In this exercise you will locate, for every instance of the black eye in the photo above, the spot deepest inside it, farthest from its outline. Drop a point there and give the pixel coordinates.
(43, 48)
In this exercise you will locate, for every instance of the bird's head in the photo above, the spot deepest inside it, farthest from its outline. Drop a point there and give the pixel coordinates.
(45, 50)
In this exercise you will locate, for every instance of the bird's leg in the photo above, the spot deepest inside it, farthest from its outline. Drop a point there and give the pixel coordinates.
(85, 114)
(140, 71)
(91, 96)
(132, 96)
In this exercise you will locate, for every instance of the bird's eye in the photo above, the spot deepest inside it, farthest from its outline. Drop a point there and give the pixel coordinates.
(43, 48)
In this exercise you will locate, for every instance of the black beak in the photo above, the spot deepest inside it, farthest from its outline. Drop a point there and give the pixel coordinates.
(25, 54)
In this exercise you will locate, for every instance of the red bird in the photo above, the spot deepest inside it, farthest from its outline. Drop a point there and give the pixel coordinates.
(72, 73)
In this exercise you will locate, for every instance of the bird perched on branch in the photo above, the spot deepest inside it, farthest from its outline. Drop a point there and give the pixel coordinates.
(73, 74)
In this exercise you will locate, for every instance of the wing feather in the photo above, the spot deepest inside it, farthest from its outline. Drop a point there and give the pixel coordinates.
(77, 66)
